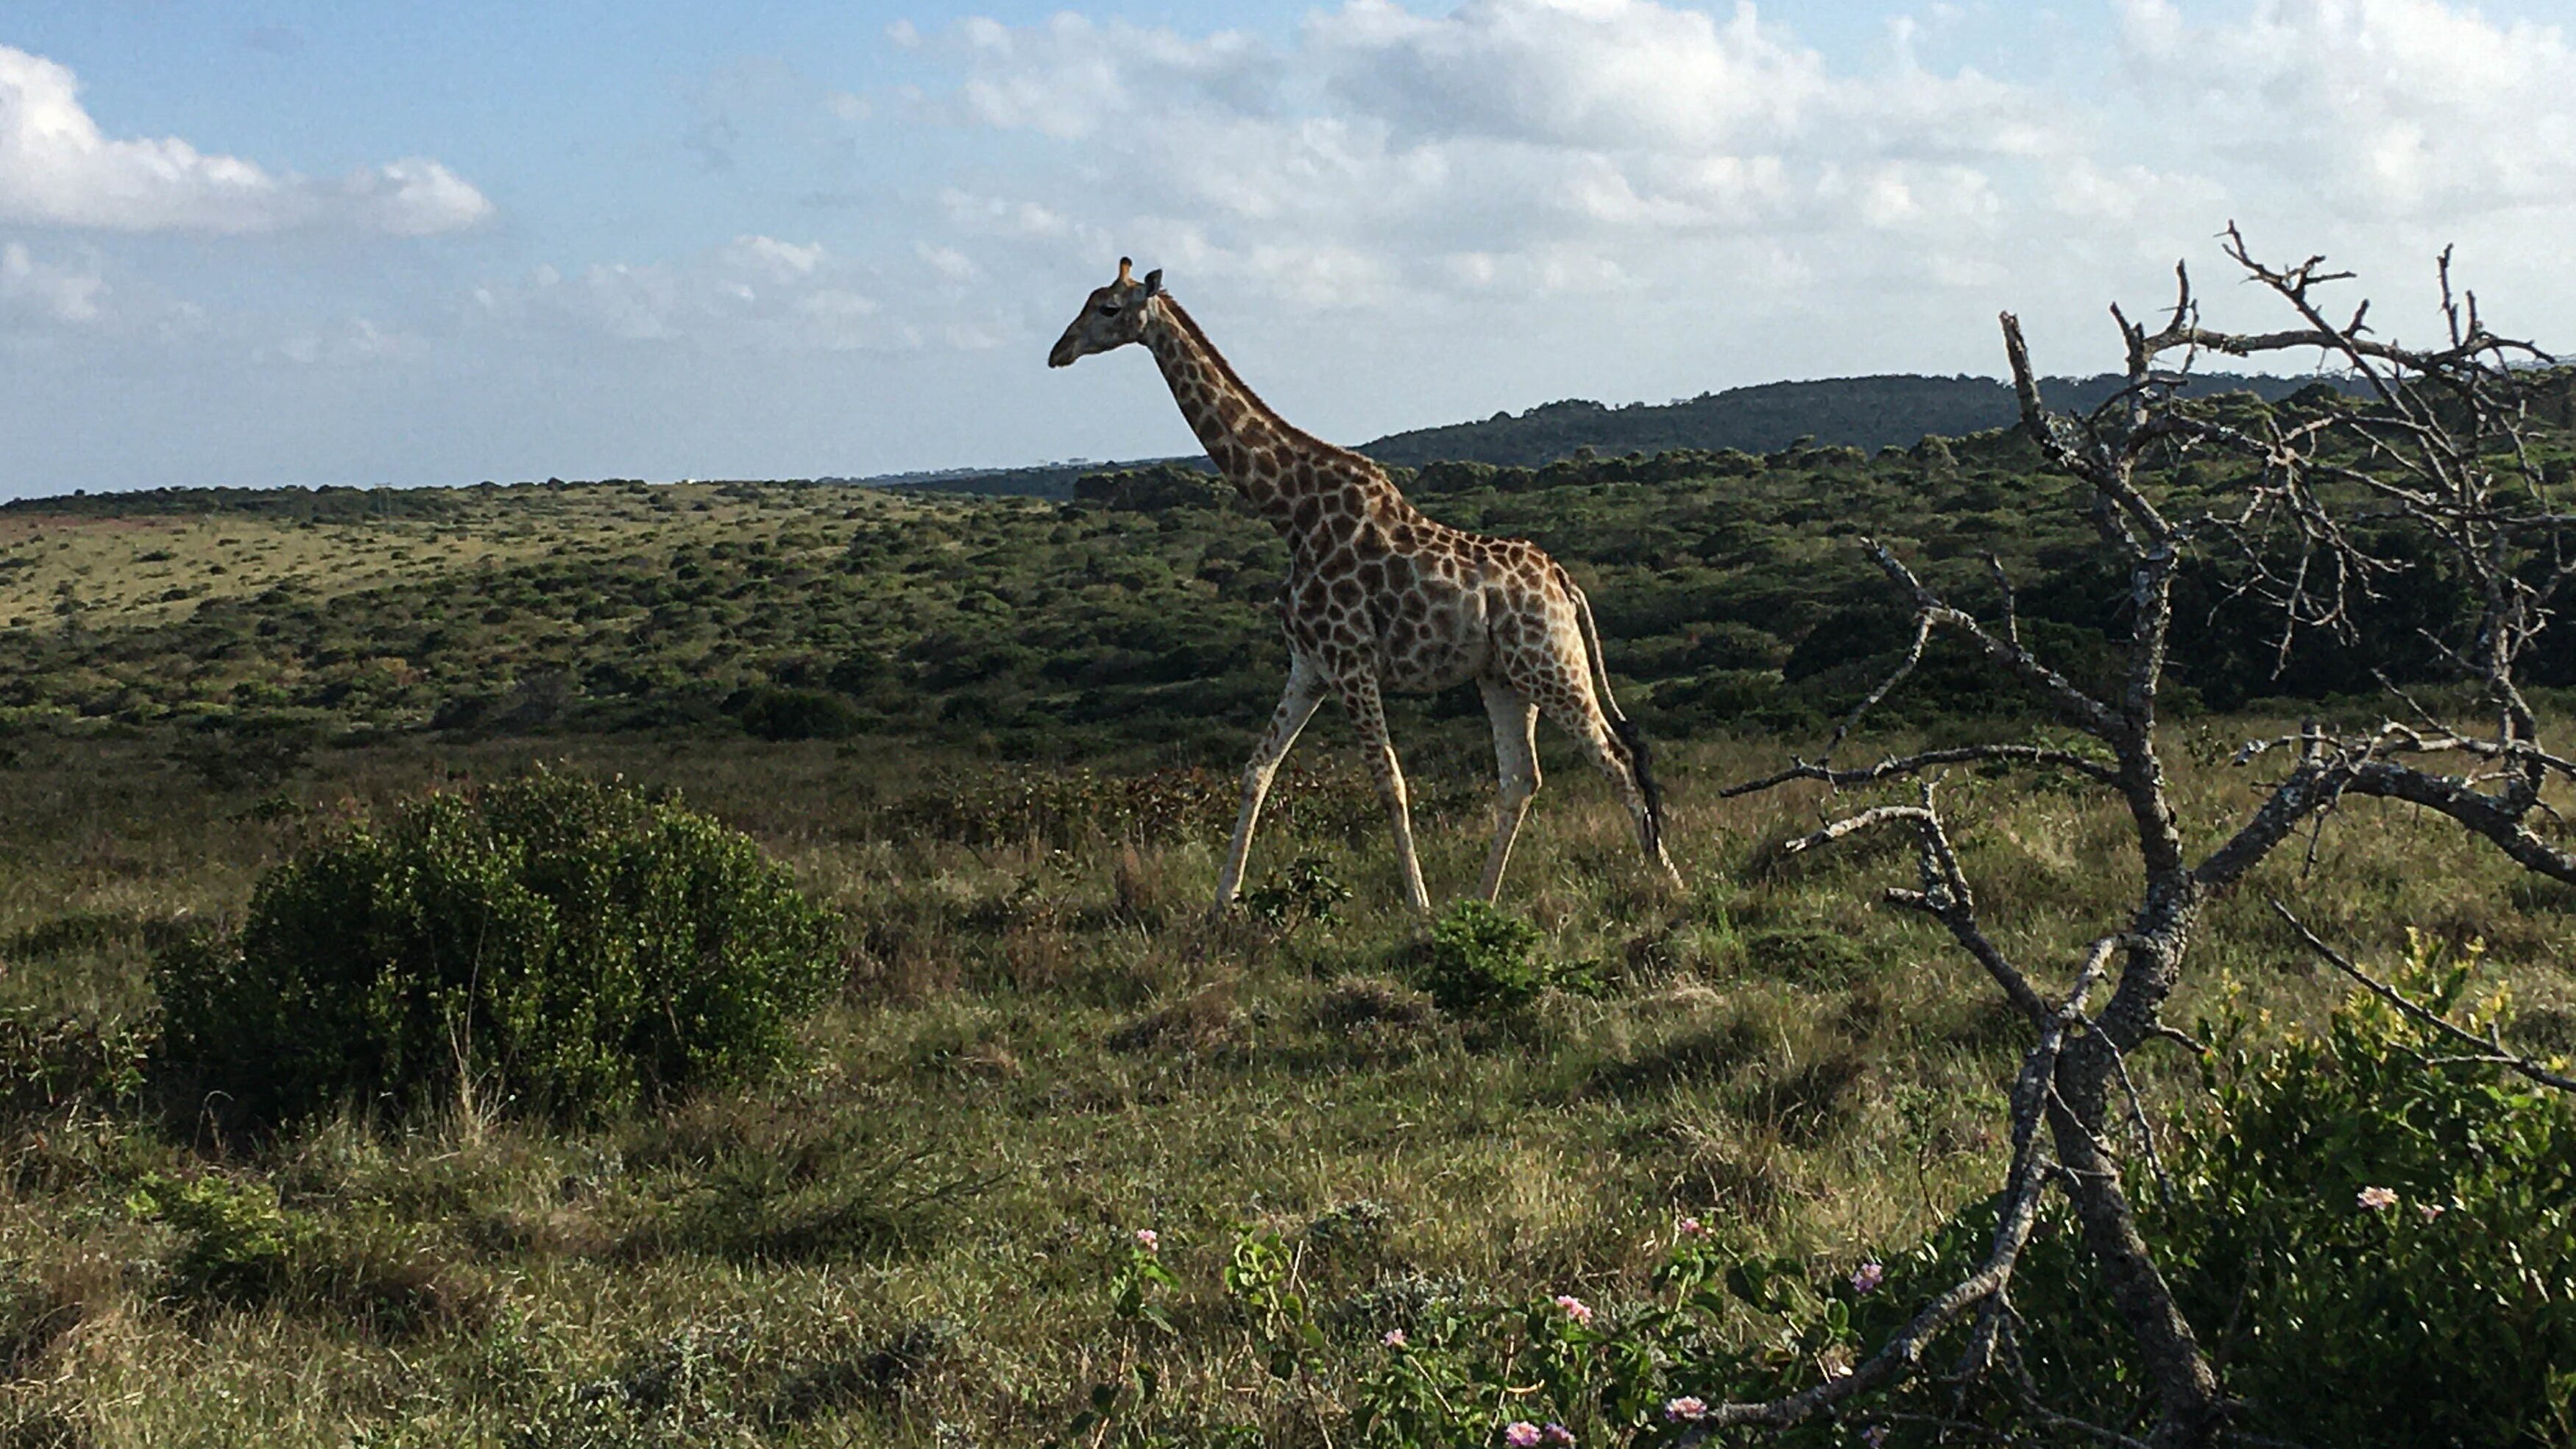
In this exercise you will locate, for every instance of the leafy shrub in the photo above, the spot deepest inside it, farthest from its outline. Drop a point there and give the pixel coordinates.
(551, 943)
(240, 1247)
(2378, 1249)
(2445, 1315)
(1485, 962)
(799, 714)
(236, 1241)
(1305, 890)
(47, 1062)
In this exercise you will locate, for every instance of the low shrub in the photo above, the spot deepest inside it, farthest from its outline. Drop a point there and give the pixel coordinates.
(2374, 1233)
(1304, 890)
(2377, 1239)
(800, 714)
(239, 1247)
(551, 943)
(1485, 962)
(48, 1062)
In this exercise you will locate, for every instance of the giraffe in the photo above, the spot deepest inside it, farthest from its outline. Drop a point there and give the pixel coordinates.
(1379, 597)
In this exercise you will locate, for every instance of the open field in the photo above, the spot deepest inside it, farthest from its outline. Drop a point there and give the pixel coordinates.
(1038, 1050)
(123, 569)
(996, 738)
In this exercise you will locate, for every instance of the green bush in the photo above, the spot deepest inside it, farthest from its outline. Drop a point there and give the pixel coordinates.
(1305, 890)
(2376, 1248)
(551, 943)
(799, 714)
(238, 1246)
(1485, 962)
(2375, 1238)
(2391, 1246)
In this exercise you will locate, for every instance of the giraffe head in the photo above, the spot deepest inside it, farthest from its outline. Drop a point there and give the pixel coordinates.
(1113, 317)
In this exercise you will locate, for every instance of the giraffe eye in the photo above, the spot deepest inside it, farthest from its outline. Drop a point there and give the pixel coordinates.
(1109, 309)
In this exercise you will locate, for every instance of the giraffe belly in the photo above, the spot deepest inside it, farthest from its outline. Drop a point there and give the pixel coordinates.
(1446, 645)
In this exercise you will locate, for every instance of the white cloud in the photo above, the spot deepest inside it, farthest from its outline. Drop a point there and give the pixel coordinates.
(948, 263)
(777, 260)
(754, 294)
(356, 341)
(1388, 152)
(58, 168)
(35, 292)
(1613, 74)
(2373, 107)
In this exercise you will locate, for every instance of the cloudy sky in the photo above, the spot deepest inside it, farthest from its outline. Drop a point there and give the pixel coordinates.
(362, 241)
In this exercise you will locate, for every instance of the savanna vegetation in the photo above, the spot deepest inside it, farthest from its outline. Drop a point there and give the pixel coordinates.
(724, 963)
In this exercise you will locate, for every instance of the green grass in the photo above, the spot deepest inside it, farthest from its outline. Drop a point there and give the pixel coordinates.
(1039, 1049)
(1040, 1046)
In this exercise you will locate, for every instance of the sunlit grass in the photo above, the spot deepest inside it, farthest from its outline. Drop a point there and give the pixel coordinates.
(1042, 1048)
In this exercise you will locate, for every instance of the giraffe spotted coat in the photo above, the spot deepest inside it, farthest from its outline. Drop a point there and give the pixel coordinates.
(1379, 597)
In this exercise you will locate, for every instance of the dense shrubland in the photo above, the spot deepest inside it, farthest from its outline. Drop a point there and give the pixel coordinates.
(1135, 622)
(1593, 1161)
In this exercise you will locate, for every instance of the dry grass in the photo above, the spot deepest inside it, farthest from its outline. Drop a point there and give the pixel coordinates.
(1041, 1050)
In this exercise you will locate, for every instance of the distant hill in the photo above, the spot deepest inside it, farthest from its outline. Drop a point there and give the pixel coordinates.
(1861, 412)
(1041, 480)
(1870, 413)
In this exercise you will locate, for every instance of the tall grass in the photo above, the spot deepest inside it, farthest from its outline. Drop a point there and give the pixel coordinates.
(1039, 1048)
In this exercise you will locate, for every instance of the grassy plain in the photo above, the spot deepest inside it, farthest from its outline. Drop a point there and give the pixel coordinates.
(1040, 1047)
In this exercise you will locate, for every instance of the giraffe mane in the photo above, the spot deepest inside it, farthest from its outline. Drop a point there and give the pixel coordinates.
(1189, 326)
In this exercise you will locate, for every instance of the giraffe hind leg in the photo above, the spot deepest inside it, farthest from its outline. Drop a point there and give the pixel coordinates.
(1582, 720)
(1516, 772)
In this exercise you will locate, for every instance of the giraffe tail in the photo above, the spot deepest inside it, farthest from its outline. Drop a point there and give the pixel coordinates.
(1632, 740)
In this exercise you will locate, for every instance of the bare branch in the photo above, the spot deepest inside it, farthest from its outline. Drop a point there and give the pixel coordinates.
(2086, 711)
(1913, 656)
(1898, 767)
(2490, 1050)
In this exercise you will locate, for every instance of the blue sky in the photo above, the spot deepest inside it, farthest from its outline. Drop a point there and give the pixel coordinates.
(366, 242)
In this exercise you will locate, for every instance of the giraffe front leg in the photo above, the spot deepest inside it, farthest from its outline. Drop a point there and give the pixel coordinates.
(1368, 717)
(1296, 706)
(1515, 772)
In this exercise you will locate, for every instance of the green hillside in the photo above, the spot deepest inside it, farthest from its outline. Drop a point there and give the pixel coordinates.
(1053, 1146)
(1857, 412)
(1135, 619)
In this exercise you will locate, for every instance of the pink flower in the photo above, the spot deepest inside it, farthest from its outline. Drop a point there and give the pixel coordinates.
(1149, 1240)
(1556, 1434)
(1394, 1338)
(1867, 1277)
(1686, 1409)
(1874, 1436)
(2376, 1198)
(1521, 1434)
(1691, 1228)
(2428, 1210)
(1575, 1308)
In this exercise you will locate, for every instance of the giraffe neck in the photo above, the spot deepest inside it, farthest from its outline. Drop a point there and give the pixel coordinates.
(1251, 445)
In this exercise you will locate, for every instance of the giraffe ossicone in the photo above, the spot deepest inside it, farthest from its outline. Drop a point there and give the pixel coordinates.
(1380, 598)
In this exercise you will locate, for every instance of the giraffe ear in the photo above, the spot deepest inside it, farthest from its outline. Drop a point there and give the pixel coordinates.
(1154, 282)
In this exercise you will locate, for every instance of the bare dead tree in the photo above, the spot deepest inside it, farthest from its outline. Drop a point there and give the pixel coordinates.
(2438, 448)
